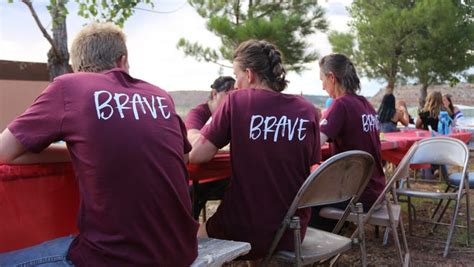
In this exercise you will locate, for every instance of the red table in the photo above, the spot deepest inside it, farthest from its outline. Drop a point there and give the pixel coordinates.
(34, 210)
(384, 145)
(407, 138)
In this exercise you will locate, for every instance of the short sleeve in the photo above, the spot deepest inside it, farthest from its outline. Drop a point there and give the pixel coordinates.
(218, 131)
(40, 125)
(187, 146)
(334, 120)
(198, 116)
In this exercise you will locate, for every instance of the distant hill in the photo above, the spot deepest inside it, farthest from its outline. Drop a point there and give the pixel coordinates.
(186, 100)
(463, 94)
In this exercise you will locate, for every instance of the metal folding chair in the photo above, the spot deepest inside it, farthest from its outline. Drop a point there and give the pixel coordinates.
(385, 211)
(441, 151)
(341, 178)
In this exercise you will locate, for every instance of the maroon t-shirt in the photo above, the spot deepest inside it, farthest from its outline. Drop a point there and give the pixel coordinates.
(198, 116)
(274, 140)
(351, 123)
(127, 146)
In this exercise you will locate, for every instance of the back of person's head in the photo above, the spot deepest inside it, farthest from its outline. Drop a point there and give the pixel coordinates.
(265, 60)
(97, 47)
(387, 108)
(434, 104)
(343, 69)
(223, 84)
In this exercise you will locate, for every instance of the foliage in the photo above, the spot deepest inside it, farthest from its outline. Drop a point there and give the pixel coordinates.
(287, 24)
(116, 11)
(441, 45)
(342, 43)
(429, 40)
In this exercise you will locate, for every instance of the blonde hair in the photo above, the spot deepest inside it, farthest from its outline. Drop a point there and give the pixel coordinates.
(97, 47)
(434, 104)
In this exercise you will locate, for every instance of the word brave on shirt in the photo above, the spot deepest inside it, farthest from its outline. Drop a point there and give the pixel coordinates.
(369, 122)
(105, 102)
(271, 127)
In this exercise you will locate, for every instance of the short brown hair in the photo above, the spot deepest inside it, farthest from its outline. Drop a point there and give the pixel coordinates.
(97, 47)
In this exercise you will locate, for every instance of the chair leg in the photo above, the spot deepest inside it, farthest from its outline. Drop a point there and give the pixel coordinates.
(451, 229)
(409, 216)
(295, 225)
(386, 234)
(393, 227)
(360, 223)
(439, 204)
(441, 215)
(468, 218)
(468, 209)
(405, 242)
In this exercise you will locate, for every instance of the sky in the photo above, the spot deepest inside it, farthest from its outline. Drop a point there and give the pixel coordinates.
(152, 39)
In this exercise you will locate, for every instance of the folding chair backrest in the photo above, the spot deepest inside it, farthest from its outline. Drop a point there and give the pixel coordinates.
(441, 150)
(336, 180)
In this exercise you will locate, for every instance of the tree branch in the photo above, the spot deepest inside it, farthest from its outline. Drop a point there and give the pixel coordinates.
(41, 27)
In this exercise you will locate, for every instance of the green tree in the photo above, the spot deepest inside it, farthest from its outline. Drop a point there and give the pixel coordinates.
(287, 24)
(117, 11)
(382, 28)
(427, 40)
(443, 44)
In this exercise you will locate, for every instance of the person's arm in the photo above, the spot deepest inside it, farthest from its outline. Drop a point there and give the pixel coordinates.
(419, 123)
(403, 117)
(203, 150)
(324, 138)
(13, 152)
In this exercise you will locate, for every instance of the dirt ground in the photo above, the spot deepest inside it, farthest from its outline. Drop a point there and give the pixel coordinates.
(423, 252)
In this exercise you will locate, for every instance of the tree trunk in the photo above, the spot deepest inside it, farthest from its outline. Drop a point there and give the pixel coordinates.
(423, 94)
(390, 86)
(58, 64)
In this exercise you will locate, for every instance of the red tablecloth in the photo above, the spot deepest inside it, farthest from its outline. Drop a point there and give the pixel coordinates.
(407, 138)
(34, 210)
(384, 146)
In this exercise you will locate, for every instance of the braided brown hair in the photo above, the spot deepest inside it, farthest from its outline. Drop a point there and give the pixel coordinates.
(265, 60)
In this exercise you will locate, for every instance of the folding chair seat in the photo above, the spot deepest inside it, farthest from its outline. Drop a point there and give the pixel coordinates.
(214, 252)
(385, 211)
(441, 151)
(454, 179)
(343, 177)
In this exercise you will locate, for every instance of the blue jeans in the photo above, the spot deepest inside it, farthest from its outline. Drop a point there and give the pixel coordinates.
(48, 254)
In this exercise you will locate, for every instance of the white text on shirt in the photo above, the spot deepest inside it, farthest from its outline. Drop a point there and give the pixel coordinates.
(369, 122)
(122, 102)
(283, 127)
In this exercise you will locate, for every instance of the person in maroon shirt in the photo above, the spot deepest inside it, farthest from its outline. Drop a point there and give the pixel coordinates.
(274, 140)
(349, 123)
(129, 150)
(195, 120)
